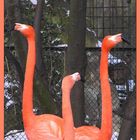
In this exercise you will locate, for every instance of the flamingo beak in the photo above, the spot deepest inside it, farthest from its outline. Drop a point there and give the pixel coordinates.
(76, 76)
(17, 25)
(125, 39)
(82, 79)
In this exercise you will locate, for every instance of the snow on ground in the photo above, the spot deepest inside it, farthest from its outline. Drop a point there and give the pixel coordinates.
(15, 135)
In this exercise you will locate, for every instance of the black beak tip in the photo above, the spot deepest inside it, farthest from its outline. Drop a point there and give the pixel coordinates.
(125, 39)
(82, 79)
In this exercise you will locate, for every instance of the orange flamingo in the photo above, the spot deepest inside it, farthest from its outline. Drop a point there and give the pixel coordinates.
(67, 84)
(91, 132)
(37, 127)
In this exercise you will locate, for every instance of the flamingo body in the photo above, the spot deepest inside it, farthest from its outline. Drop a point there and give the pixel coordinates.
(44, 127)
(87, 133)
(37, 127)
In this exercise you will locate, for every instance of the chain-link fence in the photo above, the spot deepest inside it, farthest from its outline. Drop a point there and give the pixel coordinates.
(122, 80)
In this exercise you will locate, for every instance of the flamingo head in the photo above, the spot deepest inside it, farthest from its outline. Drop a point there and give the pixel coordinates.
(26, 30)
(111, 41)
(69, 81)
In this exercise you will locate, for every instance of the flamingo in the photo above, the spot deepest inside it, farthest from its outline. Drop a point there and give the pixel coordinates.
(91, 132)
(67, 84)
(37, 127)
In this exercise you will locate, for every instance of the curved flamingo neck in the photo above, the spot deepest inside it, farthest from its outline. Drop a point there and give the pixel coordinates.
(67, 115)
(28, 82)
(106, 122)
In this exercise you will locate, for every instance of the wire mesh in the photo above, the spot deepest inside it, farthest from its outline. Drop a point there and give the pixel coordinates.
(12, 97)
(106, 17)
(122, 81)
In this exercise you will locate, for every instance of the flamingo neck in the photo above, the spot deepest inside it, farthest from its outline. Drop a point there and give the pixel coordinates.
(28, 82)
(67, 116)
(106, 125)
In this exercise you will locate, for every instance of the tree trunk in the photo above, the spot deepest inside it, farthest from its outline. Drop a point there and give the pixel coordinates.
(37, 25)
(45, 98)
(13, 11)
(76, 57)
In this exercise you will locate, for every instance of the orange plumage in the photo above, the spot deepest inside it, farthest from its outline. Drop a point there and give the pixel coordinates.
(37, 127)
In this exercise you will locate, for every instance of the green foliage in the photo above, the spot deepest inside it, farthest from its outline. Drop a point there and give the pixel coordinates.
(54, 23)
